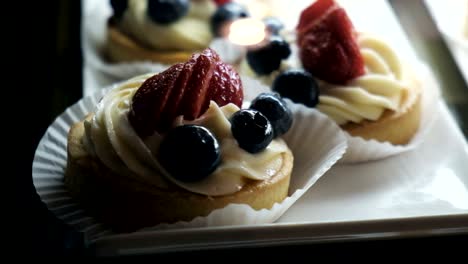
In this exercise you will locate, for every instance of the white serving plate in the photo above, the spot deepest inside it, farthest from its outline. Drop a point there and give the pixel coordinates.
(418, 193)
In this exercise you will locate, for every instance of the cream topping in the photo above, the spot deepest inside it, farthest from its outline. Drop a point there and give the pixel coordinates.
(190, 33)
(111, 138)
(368, 96)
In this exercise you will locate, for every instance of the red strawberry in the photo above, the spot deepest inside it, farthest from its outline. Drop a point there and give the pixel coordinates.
(225, 86)
(147, 103)
(314, 12)
(177, 92)
(184, 89)
(221, 2)
(327, 43)
(196, 90)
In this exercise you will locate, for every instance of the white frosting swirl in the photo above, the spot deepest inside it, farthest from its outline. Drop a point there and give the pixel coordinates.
(190, 33)
(111, 138)
(368, 96)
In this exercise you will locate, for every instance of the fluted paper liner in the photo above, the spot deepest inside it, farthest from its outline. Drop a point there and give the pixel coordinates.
(317, 144)
(361, 150)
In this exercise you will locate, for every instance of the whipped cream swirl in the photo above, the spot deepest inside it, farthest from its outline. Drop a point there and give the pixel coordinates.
(110, 137)
(368, 96)
(190, 33)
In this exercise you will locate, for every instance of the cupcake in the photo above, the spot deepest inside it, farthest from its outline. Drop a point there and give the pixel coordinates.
(176, 145)
(355, 78)
(160, 31)
(165, 32)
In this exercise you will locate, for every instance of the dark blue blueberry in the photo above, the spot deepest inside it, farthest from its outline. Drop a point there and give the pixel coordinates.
(189, 153)
(297, 85)
(266, 58)
(251, 129)
(167, 11)
(273, 107)
(119, 7)
(273, 25)
(225, 14)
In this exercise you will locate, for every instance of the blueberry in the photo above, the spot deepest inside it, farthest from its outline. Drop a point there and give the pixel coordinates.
(267, 58)
(189, 153)
(224, 14)
(119, 7)
(167, 11)
(297, 85)
(273, 107)
(251, 129)
(273, 25)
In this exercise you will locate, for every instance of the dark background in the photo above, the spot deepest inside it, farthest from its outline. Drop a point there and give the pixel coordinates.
(58, 65)
(56, 83)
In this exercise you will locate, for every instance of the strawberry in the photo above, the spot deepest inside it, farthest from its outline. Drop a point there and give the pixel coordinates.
(148, 102)
(197, 86)
(327, 43)
(177, 92)
(314, 12)
(221, 2)
(226, 86)
(184, 89)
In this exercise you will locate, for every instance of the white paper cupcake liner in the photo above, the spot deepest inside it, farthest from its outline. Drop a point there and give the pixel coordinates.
(316, 142)
(94, 33)
(360, 150)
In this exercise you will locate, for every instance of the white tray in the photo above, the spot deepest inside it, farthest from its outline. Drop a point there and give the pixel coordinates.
(422, 192)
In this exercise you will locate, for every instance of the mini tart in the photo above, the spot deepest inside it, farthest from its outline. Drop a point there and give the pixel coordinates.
(126, 204)
(121, 48)
(396, 127)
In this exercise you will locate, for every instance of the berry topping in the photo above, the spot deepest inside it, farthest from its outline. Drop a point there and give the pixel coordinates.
(273, 107)
(266, 58)
(189, 153)
(224, 15)
(327, 43)
(167, 11)
(221, 2)
(251, 129)
(273, 25)
(297, 85)
(119, 6)
(184, 89)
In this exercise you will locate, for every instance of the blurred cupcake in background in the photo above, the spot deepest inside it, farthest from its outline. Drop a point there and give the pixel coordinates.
(159, 31)
(165, 32)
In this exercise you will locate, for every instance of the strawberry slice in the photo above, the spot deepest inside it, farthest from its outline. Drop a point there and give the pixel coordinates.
(327, 43)
(171, 109)
(221, 2)
(225, 86)
(196, 89)
(148, 103)
(314, 12)
(184, 89)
